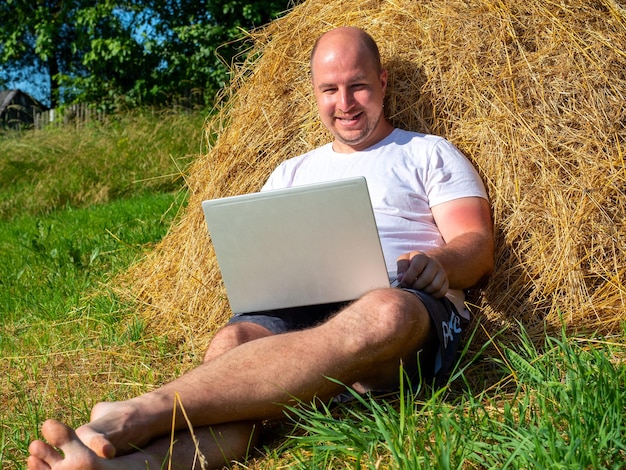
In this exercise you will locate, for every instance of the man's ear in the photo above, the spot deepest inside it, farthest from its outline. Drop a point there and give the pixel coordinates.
(383, 80)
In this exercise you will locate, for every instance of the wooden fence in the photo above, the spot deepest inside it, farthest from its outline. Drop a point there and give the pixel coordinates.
(71, 114)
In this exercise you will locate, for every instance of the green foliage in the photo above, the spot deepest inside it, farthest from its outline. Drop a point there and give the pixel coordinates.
(128, 52)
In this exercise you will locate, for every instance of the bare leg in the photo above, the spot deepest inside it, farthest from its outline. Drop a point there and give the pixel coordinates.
(364, 343)
(214, 446)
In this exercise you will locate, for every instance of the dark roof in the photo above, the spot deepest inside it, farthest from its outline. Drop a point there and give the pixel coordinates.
(6, 97)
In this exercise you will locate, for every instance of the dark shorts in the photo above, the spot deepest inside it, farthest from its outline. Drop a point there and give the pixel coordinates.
(435, 361)
(448, 325)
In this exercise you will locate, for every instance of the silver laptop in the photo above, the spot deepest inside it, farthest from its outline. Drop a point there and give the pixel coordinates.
(305, 245)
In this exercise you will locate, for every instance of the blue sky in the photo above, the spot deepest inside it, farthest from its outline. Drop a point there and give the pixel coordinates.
(37, 86)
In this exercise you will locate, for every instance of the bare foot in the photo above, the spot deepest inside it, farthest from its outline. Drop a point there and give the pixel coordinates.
(74, 454)
(116, 428)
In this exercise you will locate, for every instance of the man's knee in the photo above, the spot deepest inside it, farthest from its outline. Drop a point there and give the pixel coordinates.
(232, 336)
(395, 310)
(391, 318)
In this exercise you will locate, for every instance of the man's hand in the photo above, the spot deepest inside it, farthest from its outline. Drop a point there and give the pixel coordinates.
(417, 270)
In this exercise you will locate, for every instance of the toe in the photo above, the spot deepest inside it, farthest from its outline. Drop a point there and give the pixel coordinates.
(96, 442)
(35, 463)
(58, 434)
(61, 436)
(42, 456)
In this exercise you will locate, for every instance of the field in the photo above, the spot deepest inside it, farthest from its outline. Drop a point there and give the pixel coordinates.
(80, 205)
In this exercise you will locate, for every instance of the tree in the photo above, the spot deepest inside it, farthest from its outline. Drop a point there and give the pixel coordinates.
(200, 38)
(126, 51)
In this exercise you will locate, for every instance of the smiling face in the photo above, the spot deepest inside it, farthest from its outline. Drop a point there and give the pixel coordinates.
(349, 87)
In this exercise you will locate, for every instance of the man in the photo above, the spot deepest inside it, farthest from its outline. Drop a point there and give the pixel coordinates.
(435, 227)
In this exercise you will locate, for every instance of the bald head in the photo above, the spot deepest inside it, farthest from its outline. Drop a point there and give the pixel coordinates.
(349, 86)
(337, 40)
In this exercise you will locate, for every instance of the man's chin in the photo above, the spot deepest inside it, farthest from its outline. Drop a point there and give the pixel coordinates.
(355, 139)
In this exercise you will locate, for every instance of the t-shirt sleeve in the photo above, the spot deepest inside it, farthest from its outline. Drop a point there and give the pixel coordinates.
(450, 175)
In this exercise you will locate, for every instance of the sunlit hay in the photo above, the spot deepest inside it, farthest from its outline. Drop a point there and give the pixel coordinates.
(533, 92)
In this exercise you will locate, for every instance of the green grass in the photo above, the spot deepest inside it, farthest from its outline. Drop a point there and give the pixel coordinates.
(51, 261)
(79, 205)
(562, 408)
(140, 152)
(66, 340)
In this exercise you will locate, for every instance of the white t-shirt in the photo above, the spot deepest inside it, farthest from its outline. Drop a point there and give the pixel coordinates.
(407, 173)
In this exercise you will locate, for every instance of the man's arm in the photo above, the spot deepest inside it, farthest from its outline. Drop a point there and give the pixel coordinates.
(466, 226)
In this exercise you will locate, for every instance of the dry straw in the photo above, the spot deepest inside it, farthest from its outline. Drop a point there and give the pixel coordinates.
(532, 91)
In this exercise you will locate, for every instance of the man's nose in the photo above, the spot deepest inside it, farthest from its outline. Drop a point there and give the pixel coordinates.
(346, 100)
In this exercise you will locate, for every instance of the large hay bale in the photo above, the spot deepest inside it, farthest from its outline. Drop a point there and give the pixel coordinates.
(533, 92)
